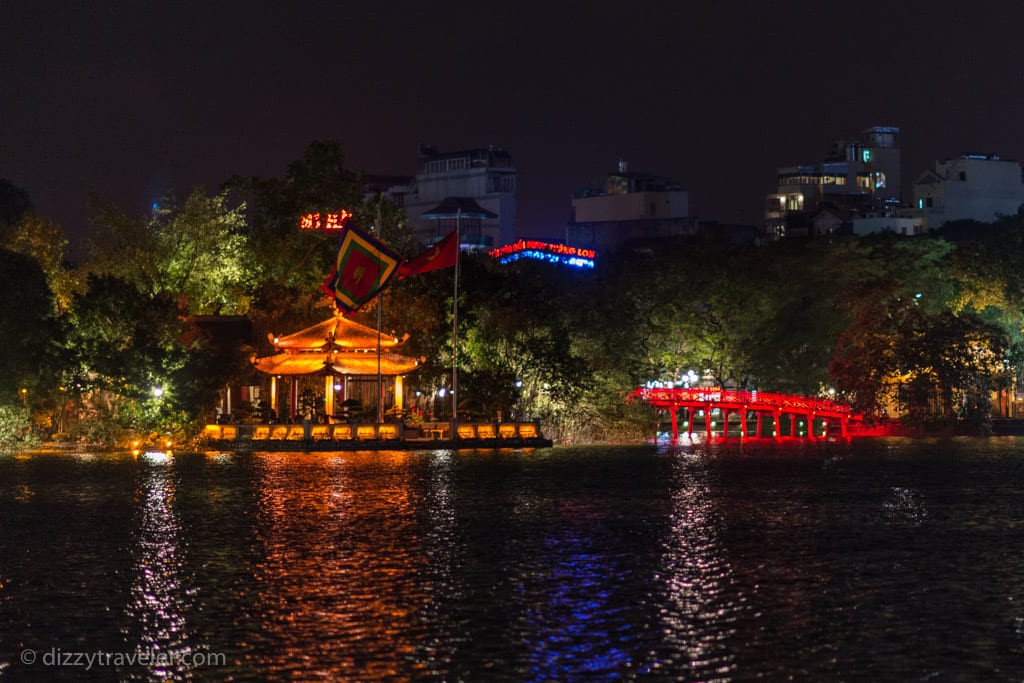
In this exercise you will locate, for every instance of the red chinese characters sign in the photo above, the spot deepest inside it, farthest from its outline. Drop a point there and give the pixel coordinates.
(327, 221)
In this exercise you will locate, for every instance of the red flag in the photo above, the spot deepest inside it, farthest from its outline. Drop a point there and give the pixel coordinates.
(364, 267)
(441, 255)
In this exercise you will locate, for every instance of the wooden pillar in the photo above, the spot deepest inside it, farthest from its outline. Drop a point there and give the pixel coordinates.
(778, 424)
(690, 414)
(810, 427)
(293, 399)
(707, 422)
(842, 426)
(399, 392)
(758, 431)
(273, 393)
(329, 395)
(743, 422)
(675, 422)
(792, 424)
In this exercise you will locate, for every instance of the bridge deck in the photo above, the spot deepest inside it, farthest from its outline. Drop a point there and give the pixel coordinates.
(744, 402)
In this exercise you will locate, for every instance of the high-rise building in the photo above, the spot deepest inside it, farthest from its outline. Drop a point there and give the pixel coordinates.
(859, 177)
(484, 175)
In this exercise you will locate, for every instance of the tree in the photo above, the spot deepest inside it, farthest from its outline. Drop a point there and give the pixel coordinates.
(318, 182)
(895, 282)
(203, 254)
(29, 359)
(195, 252)
(124, 349)
(519, 347)
(15, 203)
(946, 357)
(42, 239)
(28, 356)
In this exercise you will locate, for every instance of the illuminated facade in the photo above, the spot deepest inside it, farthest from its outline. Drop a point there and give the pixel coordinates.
(340, 355)
(860, 176)
(979, 187)
(629, 206)
(485, 175)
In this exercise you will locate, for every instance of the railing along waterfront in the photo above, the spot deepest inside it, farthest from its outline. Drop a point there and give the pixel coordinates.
(396, 435)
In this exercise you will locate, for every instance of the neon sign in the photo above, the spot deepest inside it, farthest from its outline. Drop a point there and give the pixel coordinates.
(545, 251)
(330, 221)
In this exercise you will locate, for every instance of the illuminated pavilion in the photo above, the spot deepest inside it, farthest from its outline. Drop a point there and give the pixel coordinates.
(341, 352)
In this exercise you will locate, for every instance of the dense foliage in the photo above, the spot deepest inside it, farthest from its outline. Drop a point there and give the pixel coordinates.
(928, 328)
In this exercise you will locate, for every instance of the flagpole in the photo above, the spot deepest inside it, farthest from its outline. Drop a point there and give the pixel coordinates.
(380, 297)
(455, 321)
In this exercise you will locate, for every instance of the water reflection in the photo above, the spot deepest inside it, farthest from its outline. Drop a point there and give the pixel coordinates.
(905, 505)
(573, 625)
(340, 566)
(697, 616)
(159, 595)
(443, 585)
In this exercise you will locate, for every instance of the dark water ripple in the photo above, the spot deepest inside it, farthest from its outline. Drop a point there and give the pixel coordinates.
(873, 561)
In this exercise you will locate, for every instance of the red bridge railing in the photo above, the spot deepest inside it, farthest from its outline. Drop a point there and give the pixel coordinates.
(813, 413)
(666, 397)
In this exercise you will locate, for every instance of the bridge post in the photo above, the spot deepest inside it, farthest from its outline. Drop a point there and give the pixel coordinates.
(689, 421)
(759, 414)
(777, 415)
(675, 422)
(743, 421)
(707, 422)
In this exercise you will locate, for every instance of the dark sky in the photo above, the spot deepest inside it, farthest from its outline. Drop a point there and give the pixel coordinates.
(132, 99)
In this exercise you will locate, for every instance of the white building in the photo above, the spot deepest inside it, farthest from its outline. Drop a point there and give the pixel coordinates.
(829, 219)
(979, 187)
(904, 222)
(485, 175)
(629, 206)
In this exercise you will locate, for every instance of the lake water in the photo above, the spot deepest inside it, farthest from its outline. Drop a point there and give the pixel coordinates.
(875, 560)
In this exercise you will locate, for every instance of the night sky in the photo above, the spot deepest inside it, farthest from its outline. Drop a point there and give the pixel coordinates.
(133, 99)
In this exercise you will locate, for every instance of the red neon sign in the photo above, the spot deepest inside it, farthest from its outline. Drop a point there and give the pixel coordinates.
(330, 221)
(535, 245)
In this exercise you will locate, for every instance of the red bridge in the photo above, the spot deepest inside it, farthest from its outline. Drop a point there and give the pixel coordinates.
(803, 417)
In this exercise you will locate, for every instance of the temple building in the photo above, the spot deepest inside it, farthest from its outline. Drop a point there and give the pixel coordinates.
(339, 358)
